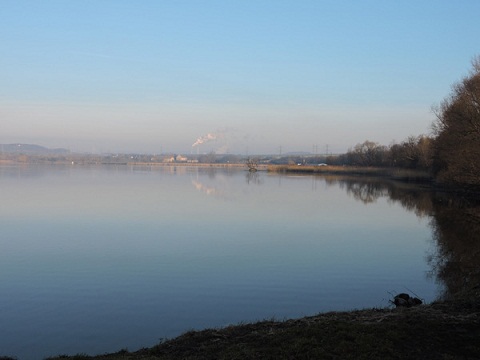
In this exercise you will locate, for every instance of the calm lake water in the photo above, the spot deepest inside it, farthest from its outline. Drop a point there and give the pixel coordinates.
(96, 259)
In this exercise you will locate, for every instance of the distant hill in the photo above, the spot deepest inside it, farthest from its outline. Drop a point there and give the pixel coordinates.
(30, 149)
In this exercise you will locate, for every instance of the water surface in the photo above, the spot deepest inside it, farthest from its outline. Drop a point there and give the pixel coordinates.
(95, 259)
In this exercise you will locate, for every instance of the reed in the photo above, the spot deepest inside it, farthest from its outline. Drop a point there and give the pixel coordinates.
(408, 175)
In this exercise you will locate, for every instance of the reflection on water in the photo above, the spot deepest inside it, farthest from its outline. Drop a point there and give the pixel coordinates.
(368, 190)
(253, 177)
(456, 231)
(455, 223)
(94, 259)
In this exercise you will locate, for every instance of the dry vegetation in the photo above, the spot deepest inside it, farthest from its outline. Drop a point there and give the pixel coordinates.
(390, 173)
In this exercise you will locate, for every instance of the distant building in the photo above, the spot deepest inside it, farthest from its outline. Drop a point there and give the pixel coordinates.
(169, 159)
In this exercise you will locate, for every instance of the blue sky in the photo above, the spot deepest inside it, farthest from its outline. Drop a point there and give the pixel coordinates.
(152, 76)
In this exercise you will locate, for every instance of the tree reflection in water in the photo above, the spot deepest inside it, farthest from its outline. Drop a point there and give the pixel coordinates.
(252, 177)
(456, 231)
(455, 222)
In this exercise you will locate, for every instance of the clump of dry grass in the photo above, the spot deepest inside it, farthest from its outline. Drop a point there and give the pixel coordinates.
(391, 173)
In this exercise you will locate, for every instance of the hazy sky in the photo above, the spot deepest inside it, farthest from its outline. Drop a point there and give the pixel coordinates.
(151, 76)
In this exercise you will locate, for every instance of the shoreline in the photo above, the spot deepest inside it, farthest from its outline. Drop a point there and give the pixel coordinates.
(448, 329)
(399, 174)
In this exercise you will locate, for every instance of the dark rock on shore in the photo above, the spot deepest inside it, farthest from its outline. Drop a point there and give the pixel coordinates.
(405, 300)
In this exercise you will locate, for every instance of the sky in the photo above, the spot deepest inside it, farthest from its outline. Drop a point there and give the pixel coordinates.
(240, 77)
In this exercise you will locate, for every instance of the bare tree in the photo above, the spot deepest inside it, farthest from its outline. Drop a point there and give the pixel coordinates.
(457, 129)
(368, 153)
(415, 152)
(252, 164)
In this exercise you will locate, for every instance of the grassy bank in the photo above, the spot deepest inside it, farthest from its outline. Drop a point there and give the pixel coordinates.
(442, 330)
(390, 173)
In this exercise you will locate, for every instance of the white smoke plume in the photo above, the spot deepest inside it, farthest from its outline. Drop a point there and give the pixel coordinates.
(206, 138)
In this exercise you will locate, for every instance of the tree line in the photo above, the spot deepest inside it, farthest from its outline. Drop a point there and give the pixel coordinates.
(451, 152)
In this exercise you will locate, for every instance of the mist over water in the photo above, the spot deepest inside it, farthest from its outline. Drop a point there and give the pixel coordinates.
(95, 259)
